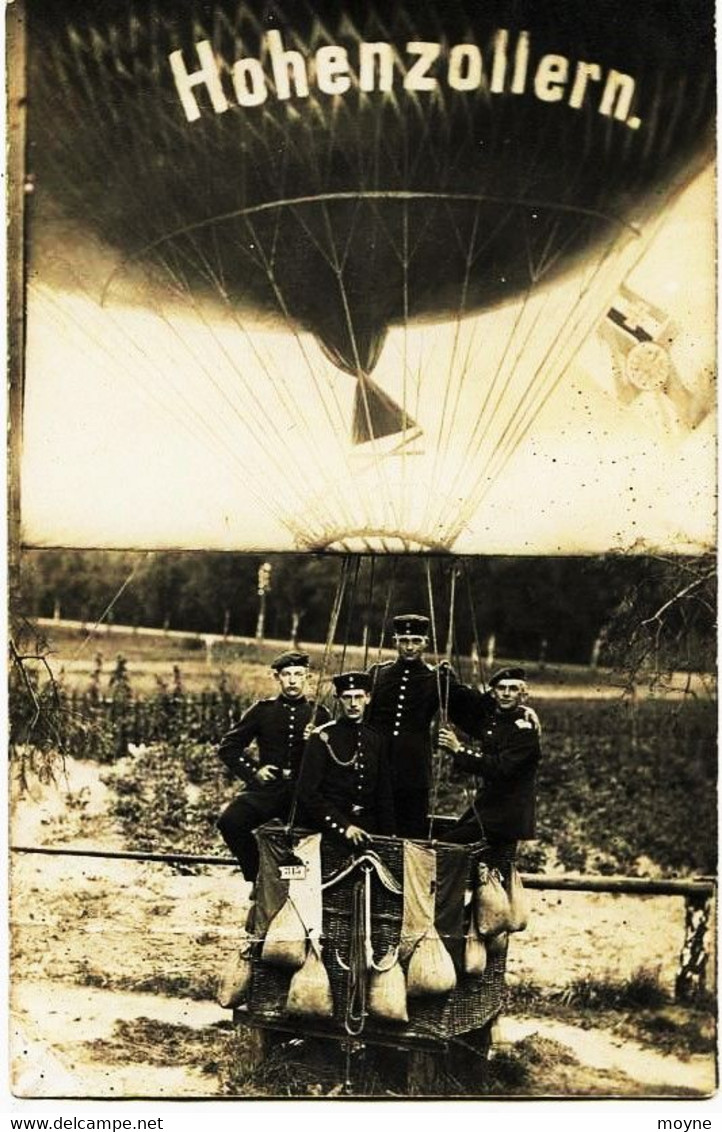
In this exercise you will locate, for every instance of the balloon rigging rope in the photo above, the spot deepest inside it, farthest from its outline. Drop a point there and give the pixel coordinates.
(487, 419)
(533, 401)
(369, 604)
(260, 421)
(298, 408)
(365, 194)
(250, 410)
(378, 463)
(350, 611)
(240, 413)
(321, 385)
(474, 625)
(443, 707)
(121, 589)
(251, 413)
(384, 621)
(534, 398)
(191, 422)
(337, 427)
(330, 637)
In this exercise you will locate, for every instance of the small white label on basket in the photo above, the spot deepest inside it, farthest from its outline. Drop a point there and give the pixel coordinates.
(292, 872)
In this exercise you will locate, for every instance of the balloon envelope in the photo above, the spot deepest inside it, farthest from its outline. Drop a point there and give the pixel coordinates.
(348, 175)
(496, 143)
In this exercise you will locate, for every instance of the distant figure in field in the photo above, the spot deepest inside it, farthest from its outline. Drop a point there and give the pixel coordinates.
(280, 726)
(504, 753)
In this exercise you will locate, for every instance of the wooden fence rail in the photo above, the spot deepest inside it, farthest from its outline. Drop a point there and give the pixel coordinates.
(698, 893)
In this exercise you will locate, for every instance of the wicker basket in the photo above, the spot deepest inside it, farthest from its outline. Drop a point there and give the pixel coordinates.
(473, 1002)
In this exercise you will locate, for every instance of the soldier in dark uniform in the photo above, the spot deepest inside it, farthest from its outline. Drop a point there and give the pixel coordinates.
(506, 757)
(280, 726)
(406, 694)
(345, 785)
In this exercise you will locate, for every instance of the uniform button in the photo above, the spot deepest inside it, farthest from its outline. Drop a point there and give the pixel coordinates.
(396, 732)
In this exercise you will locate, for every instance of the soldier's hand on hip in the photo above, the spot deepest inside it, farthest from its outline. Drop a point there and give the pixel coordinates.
(266, 773)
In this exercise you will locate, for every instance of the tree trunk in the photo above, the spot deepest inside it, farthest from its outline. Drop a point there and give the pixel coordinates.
(691, 981)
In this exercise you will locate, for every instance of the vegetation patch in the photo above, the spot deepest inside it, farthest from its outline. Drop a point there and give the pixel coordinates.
(622, 766)
(637, 1008)
(199, 988)
(150, 1042)
(538, 1067)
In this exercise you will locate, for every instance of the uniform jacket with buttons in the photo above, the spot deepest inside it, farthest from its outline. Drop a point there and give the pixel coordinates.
(277, 725)
(345, 780)
(505, 754)
(404, 701)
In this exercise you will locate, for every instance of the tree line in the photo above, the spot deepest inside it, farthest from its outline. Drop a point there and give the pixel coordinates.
(560, 609)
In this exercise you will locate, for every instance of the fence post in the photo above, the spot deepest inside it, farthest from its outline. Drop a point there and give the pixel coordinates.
(691, 980)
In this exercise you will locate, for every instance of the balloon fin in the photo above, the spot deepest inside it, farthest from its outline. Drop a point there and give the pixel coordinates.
(376, 414)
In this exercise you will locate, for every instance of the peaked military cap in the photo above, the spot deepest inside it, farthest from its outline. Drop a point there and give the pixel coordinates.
(507, 674)
(411, 625)
(290, 659)
(352, 682)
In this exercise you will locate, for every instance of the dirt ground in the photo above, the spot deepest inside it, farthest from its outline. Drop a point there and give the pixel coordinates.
(93, 941)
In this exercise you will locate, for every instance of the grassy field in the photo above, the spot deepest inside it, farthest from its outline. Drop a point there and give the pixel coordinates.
(152, 656)
(627, 783)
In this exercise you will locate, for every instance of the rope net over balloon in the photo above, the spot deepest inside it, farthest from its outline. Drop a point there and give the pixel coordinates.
(358, 304)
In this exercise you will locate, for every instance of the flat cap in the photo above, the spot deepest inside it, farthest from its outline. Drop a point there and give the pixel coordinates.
(411, 624)
(507, 674)
(351, 682)
(290, 660)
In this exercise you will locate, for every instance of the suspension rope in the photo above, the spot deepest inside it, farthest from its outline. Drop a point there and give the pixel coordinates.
(380, 194)
(387, 606)
(175, 404)
(330, 636)
(111, 603)
(474, 629)
(369, 602)
(350, 611)
(434, 641)
(443, 699)
(355, 1016)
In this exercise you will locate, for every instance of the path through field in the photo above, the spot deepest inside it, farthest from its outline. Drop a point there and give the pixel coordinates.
(96, 942)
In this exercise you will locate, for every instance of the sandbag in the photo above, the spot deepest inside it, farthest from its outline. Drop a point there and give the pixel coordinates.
(387, 992)
(431, 968)
(518, 912)
(235, 979)
(309, 994)
(474, 951)
(491, 904)
(497, 944)
(419, 896)
(285, 942)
